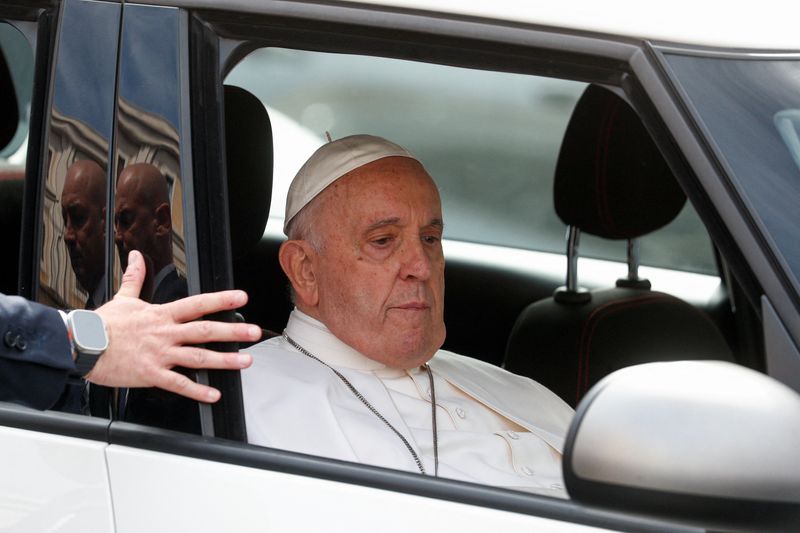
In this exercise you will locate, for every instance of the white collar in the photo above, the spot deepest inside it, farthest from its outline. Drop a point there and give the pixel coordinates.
(315, 337)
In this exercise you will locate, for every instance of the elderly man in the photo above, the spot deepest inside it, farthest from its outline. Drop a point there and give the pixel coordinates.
(358, 374)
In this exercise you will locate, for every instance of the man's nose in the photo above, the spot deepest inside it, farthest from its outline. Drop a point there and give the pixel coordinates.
(416, 263)
(69, 233)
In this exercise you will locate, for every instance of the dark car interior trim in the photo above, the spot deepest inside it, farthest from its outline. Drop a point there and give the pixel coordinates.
(211, 207)
(30, 228)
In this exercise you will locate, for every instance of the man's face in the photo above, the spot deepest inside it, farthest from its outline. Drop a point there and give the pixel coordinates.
(380, 273)
(82, 209)
(135, 223)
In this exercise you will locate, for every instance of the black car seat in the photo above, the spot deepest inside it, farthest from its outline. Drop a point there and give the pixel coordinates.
(249, 159)
(611, 181)
(248, 148)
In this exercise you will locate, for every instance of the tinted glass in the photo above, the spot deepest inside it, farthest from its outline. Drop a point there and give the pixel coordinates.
(150, 177)
(148, 204)
(751, 108)
(73, 244)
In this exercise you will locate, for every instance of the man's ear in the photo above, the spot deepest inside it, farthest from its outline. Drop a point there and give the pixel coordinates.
(297, 261)
(163, 219)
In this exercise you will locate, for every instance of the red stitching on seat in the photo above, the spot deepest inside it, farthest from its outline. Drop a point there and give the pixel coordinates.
(582, 384)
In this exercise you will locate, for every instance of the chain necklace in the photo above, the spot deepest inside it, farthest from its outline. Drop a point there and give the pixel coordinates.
(374, 411)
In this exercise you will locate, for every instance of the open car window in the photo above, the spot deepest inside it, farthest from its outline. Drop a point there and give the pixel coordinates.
(490, 140)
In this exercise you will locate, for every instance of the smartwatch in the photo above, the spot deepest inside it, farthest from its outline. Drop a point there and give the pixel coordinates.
(88, 337)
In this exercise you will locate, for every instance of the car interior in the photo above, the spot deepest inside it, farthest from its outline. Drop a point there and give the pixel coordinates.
(552, 325)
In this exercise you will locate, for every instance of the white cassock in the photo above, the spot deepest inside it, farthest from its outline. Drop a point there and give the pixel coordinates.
(493, 427)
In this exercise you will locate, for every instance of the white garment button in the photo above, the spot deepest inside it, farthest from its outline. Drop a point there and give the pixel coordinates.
(461, 413)
(527, 471)
(513, 435)
(429, 393)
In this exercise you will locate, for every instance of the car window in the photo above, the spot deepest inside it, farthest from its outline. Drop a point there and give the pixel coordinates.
(471, 129)
(751, 108)
(491, 141)
(16, 81)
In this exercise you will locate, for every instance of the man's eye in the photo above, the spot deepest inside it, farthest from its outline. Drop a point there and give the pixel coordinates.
(78, 219)
(431, 239)
(382, 241)
(124, 220)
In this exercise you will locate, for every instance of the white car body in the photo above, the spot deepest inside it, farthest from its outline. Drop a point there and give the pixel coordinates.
(65, 473)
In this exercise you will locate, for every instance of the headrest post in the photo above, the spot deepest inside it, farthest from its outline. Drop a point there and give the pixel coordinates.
(633, 259)
(573, 241)
(633, 281)
(571, 293)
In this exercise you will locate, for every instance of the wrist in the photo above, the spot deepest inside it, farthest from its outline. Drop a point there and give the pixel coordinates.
(88, 338)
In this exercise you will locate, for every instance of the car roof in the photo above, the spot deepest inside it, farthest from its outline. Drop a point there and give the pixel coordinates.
(764, 25)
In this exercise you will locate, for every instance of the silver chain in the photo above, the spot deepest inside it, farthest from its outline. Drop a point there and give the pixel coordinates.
(378, 414)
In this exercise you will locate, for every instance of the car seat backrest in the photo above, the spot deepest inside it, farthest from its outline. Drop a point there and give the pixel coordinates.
(249, 159)
(611, 181)
(248, 147)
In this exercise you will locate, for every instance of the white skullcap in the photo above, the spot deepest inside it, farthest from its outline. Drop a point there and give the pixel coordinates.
(332, 161)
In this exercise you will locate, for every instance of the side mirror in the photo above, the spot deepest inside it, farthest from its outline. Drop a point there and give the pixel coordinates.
(704, 442)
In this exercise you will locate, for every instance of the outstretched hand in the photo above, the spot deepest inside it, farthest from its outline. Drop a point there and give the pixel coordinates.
(147, 340)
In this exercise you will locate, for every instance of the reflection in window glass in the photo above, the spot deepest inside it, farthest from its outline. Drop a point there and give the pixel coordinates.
(489, 139)
(750, 109)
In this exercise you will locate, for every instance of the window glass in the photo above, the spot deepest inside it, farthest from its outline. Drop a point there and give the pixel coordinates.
(751, 108)
(16, 81)
(149, 185)
(72, 270)
(489, 139)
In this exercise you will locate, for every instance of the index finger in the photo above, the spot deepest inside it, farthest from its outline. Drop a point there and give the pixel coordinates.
(192, 307)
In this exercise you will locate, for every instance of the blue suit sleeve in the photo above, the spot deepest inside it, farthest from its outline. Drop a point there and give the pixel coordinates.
(35, 356)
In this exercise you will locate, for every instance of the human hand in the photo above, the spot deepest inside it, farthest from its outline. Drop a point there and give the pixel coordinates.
(147, 340)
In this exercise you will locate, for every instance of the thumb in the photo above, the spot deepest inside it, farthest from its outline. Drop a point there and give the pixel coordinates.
(133, 277)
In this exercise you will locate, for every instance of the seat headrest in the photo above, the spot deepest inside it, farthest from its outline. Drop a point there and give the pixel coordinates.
(248, 145)
(611, 180)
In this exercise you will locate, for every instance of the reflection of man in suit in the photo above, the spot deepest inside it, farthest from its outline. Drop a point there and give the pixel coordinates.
(83, 208)
(143, 222)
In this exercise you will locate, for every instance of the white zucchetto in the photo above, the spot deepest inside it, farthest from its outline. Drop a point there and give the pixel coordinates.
(332, 161)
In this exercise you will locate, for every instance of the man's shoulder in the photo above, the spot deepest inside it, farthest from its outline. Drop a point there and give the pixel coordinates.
(480, 373)
(516, 397)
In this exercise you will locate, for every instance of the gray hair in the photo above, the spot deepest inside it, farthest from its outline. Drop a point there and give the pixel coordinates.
(303, 227)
